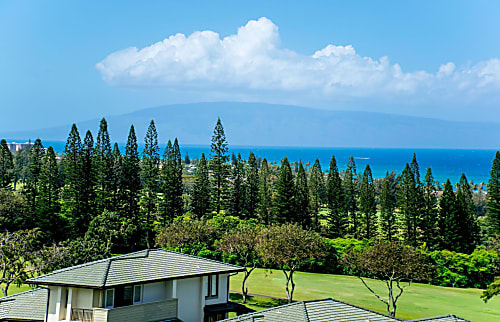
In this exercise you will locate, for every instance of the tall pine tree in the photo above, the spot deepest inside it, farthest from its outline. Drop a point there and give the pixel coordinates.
(493, 202)
(408, 204)
(338, 220)
(150, 178)
(387, 220)
(429, 211)
(237, 198)
(265, 206)
(465, 229)
(302, 201)
(103, 164)
(317, 190)
(88, 179)
(351, 196)
(131, 179)
(200, 201)
(447, 208)
(252, 187)
(220, 168)
(367, 205)
(35, 163)
(284, 201)
(48, 204)
(72, 203)
(172, 189)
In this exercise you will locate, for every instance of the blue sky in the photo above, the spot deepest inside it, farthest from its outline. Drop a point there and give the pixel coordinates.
(65, 61)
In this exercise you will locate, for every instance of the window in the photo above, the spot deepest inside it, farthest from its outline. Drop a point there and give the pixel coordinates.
(110, 294)
(137, 294)
(212, 286)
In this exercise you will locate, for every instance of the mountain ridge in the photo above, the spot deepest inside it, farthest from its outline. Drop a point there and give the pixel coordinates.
(261, 124)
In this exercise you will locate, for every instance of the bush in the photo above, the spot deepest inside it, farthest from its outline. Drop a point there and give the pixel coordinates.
(463, 270)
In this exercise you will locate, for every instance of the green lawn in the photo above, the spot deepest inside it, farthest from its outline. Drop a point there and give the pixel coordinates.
(418, 300)
(13, 289)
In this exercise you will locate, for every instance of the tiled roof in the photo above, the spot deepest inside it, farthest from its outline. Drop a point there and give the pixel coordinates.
(139, 267)
(315, 311)
(444, 318)
(29, 305)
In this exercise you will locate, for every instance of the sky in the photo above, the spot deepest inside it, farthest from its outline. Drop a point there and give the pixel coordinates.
(67, 61)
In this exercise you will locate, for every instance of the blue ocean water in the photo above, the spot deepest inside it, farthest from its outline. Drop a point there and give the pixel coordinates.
(445, 163)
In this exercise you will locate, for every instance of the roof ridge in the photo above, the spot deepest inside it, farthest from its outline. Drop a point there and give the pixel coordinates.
(306, 312)
(194, 256)
(358, 307)
(12, 296)
(81, 265)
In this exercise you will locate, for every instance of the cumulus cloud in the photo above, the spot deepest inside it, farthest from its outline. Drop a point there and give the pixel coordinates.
(254, 60)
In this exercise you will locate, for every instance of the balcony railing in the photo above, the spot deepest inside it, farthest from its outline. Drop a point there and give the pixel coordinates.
(82, 315)
(153, 311)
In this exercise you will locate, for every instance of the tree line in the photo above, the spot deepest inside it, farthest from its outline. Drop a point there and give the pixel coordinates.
(95, 200)
(92, 182)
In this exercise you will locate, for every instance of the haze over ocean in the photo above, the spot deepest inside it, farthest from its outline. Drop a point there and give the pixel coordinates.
(445, 163)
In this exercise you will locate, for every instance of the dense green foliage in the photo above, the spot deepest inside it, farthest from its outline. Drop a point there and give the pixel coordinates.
(93, 196)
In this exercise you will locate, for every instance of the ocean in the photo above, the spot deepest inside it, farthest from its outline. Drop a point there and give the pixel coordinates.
(445, 163)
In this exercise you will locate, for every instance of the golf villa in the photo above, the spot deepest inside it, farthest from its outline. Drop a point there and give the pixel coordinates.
(160, 285)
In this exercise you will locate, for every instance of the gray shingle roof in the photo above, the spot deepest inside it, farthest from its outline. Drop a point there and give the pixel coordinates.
(139, 267)
(315, 311)
(445, 318)
(29, 305)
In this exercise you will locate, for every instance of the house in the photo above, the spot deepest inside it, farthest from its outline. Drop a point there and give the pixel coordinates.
(25, 306)
(327, 310)
(148, 285)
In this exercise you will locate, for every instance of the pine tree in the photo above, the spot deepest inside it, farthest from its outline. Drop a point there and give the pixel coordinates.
(429, 210)
(493, 203)
(302, 201)
(367, 204)
(447, 208)
(35, 162)
(103, 164)
(351, 196)
(463, 225)
(172, 189)
(252, 187)
(408, 205)
(116, 176)
(415, 169)
(6, 165)
(200, 202)
(72, 204)
(131, 178)
(88, 179)
(48, 204)
(237, 199)
(265, 206)
(318, 191)
(336, 201)
(388, 225)
(150, 178)
(220, 169)
(187, 160)
(284, 201)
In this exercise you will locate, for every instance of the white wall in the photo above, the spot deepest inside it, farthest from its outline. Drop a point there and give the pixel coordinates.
(154, 292)
(191, 299)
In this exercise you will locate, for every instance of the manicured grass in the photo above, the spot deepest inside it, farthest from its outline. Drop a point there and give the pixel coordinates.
(418, 300)
(13, 289)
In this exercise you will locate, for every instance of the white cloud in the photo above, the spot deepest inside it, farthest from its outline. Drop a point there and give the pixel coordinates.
(253, 60)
